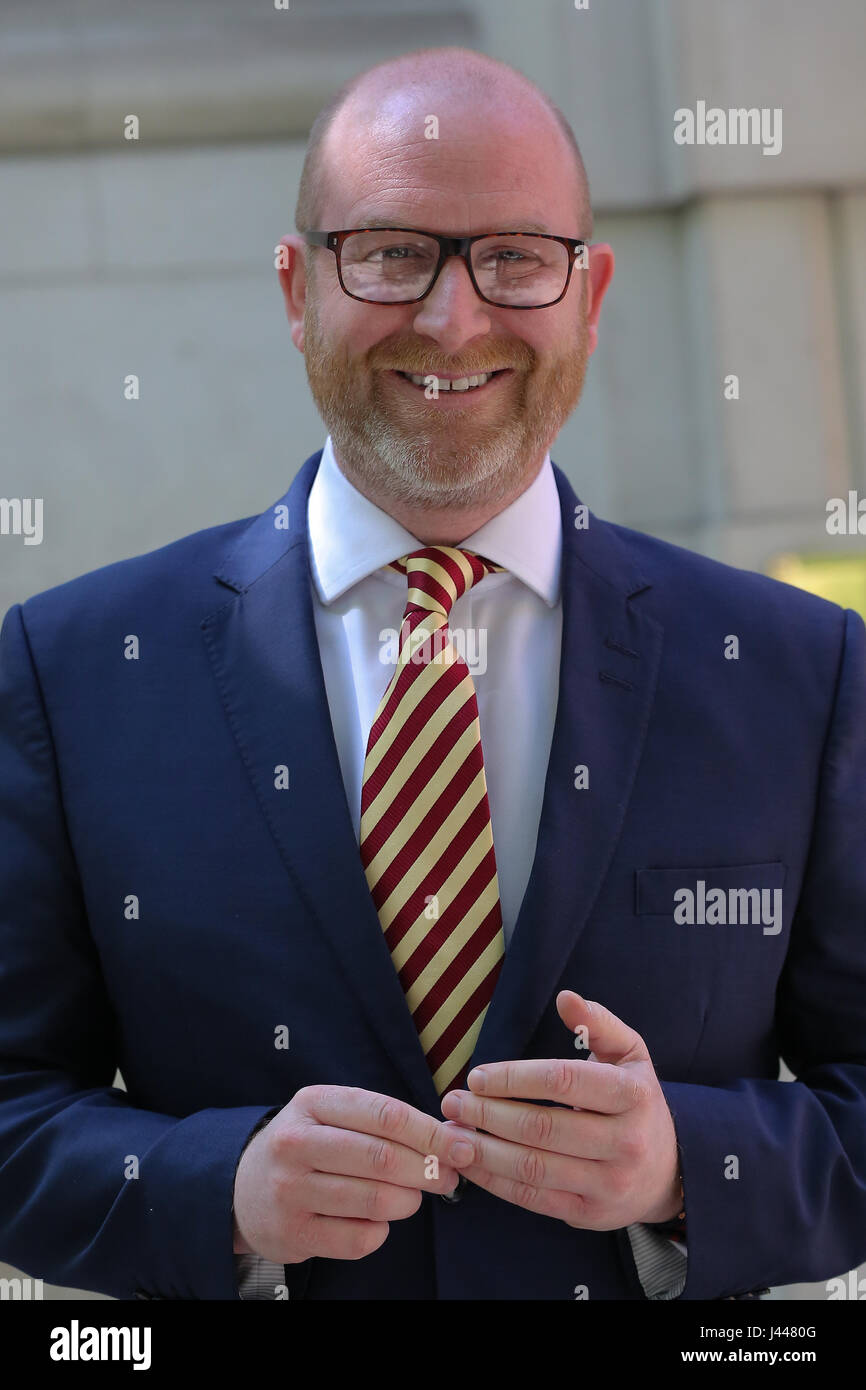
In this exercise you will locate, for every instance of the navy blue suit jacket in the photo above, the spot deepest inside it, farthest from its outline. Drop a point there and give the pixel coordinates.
(154, 779)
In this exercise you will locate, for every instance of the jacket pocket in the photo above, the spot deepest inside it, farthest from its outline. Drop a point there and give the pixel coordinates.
(726, 891)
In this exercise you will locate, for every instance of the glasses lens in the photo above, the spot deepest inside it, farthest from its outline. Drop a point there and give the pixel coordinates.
(388, 266)
(520, 270)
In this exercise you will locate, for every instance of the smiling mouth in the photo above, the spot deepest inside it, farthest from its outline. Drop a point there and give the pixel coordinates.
(474, 382)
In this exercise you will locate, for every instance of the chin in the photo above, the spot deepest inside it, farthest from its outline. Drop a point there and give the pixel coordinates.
(430, 485)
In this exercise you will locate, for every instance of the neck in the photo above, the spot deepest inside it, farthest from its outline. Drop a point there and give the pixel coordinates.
(448, 525)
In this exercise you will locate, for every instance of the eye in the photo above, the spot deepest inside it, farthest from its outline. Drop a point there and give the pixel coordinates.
(397, 253)
(508, 257)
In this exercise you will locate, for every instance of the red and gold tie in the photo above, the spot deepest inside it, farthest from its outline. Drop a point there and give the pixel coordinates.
(426, 838)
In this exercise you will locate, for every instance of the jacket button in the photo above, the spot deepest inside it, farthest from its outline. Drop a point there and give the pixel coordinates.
(457, 1195)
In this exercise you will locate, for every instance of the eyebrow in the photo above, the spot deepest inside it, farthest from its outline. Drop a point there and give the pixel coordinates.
(529, 227)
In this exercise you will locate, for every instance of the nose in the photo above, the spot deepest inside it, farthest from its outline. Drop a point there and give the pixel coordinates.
(452, 314)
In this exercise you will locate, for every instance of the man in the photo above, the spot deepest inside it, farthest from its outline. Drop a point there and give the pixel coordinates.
(340, 910)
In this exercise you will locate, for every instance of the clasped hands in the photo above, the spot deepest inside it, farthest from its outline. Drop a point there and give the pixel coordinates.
(328, 1173)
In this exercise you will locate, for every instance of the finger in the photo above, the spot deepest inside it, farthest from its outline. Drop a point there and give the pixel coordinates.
(571, 1207)
(611, 1040)
(330, 1195)
(538, 1168)
(582, 1133)
(340, 1238)
(599, 1086)
(345, 1153)
(368, 1112)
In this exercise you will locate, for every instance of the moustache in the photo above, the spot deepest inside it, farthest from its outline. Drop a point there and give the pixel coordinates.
(418, 364)
(456, 369)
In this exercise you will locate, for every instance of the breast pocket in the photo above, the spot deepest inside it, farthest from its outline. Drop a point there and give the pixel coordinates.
(731, 895)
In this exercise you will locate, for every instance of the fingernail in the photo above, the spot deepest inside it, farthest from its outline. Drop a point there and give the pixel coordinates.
(462, 1152)
(455, 1104)
(477, 1079)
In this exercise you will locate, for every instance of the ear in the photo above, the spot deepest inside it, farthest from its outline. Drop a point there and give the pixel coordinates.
(600, 272)
(293, 283)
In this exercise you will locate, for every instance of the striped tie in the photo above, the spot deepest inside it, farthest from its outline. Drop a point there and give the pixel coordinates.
(426, 838)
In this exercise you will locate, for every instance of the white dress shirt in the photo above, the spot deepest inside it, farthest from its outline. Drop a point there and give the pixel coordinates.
(511, 628)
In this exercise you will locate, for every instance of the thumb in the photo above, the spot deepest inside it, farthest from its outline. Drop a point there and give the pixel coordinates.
(610, 1039)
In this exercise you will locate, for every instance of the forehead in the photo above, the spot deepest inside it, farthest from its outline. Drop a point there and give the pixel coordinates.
(454, 163)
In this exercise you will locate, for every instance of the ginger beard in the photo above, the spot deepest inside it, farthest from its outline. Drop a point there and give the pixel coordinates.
(393, 447)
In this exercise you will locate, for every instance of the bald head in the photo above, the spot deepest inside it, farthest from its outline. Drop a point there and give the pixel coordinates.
(393, 99)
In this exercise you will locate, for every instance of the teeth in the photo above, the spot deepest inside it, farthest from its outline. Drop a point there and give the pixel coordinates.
(463, 383)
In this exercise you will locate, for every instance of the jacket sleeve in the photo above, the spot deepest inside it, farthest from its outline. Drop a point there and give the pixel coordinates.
(68, 1211)
(797, 1208)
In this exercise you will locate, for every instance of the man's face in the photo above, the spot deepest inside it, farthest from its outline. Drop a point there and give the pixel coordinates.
(460, 448)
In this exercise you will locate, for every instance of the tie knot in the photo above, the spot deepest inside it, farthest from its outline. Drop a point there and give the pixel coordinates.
(439, 574)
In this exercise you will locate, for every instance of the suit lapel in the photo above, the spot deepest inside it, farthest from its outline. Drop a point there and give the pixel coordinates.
(264, 654)
(608, 671)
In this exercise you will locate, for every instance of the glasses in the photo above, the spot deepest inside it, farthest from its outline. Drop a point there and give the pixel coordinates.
(399, 265)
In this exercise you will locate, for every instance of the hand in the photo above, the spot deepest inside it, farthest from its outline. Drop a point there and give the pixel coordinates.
(609, 1160)
(328, 1173)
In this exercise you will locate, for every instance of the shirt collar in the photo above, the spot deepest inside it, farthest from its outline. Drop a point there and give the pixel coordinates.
(350, 537)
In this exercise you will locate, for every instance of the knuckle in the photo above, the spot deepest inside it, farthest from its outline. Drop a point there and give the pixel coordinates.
(282, 1140)
(642, 1092)
(383, 1157)
(440, 1143)
(536, 1125)
(390, 1115)
(310, 1098)
(632, 1146)
(523, 1194)
(558, 1078)
(530, 1168)
(485, 1120)
(629, 1090)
